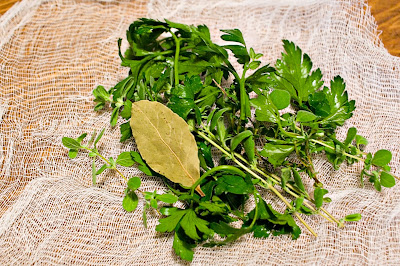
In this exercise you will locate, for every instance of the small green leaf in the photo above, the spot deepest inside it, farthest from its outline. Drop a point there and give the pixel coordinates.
(382, 158)
(360, 140)
(319, 196)
(71, 143)
(352, 217)
(167, 198)
(125, 159)
(114, 116)
(233, 184)
(99, 137)
(297, 180)
(217, 116)
(183, 249)
(305, 116)
(126, 112)
(250, 149)
(299, 202)
(252, 53)
(130, 202)
(92, 138)
(254, 65)
(280, 98)
(92, 154)
(153, 203)
(351, 134)
(126, 131)
(327, 199)
(387, 180)
(142, 165)
(112, 162)
(72, 153)
(234, 35)
(99, 106)
(134, 183)
(276, 154)
(169, 223)
(285, 176)
(236, 140)
(190, 223)
(258, 56)
(265, 111)
(102, 168)
(101, 94)
(377, 185)
(221, 130)
(367, 162)
(167, 211)
(81, 137)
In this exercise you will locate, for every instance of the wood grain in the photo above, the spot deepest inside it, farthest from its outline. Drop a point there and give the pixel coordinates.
(386, 13)
(6, 5)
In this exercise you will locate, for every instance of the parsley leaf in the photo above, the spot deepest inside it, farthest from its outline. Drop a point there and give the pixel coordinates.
(332, 104)
(293, 73)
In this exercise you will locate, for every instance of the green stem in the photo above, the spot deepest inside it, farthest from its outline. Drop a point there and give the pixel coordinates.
(107, 161)
(267, 184)
(294, 192)
(243, 94)
(257, 197)
(177, 44)
(273, 178)
(332, 148)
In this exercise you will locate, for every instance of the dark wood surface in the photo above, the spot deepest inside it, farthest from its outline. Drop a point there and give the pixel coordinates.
(386, 13)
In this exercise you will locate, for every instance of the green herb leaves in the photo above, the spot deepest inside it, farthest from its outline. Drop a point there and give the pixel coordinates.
(293, 73)
(381, 158)
(190, 114)
(381, 176)
(333, 104)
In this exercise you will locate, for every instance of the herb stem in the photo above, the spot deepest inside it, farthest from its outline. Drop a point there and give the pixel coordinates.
(290, 206)
(243, 94)
(293, 191)
(256, 198)
(107, 161)
(267, 184)
(177, 50)
(332, 148)
(223, 90)
(340, 224)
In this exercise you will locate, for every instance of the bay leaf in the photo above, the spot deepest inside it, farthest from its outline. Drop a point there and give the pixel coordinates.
(165, 142)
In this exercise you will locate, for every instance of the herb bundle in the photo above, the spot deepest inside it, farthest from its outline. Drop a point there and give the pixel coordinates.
(180, 108)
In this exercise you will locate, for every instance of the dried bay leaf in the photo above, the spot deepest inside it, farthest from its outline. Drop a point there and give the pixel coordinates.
(165, 142)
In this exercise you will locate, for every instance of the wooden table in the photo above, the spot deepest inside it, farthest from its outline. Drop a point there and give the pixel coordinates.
(386, 13)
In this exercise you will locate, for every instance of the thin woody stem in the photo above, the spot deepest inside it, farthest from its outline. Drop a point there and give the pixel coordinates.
(267, 184)
(294, 192)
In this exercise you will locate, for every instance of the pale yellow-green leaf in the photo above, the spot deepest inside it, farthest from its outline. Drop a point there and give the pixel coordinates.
(165, 142)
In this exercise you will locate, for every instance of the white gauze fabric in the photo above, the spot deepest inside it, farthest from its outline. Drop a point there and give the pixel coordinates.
(54, 53)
